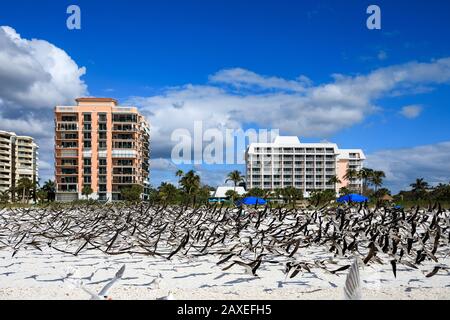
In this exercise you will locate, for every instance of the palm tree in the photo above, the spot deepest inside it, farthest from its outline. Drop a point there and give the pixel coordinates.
(4, 196)
(167, 192)
(292, 194)
(365, 174)
(334, 180)
(256, 192)
(50, 188)
(190, 183)
(344, 191)
(377, 179)
(179, 174)
(24, 185)
(41, 195)
(233, 195)
(87, 191)
(419, 185)
(351, 175)
(236, 177)
(277, 192)
(419, 188)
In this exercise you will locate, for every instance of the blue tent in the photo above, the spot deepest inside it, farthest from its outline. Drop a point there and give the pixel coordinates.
(352, 198)
(251, 201)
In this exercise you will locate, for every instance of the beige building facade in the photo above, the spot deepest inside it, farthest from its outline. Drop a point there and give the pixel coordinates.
(101, 145)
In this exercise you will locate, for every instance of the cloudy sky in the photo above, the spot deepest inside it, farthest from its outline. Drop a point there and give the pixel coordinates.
(306, 68)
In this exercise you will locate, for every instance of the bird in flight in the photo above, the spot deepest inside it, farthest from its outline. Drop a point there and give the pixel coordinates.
(352, 289)
(103, 294)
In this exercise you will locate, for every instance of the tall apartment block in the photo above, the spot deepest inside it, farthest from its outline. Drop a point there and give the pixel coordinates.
(18, 159)
(102, 145)
(306, 166)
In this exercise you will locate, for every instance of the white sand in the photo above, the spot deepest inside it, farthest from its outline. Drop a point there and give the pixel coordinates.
(36, 275)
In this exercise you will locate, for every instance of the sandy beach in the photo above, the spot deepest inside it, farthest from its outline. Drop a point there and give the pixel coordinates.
(38, 269)
(38, 276)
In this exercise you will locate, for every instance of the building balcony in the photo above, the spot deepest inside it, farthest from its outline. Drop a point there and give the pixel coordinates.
(59, 165)
(66, 153)
(67, 191)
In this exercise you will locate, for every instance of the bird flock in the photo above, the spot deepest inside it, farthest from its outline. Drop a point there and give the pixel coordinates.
(246, 238)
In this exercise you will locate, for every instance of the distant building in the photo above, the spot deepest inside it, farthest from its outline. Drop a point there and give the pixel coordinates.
(220, 194)
(18, 159)
(306, 166)
(350, 159)
(101, 145)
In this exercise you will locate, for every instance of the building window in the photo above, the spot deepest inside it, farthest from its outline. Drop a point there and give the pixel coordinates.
(102, 117)
(87, 117)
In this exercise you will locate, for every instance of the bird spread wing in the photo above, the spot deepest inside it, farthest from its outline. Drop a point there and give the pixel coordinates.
(93, 295)
(352, 288)
(108, 286)
(79, 284)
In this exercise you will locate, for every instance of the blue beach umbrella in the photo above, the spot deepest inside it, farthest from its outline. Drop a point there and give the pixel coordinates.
(251, 201)
(352, 198)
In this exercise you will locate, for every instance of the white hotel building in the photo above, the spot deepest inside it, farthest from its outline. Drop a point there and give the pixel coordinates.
(306, 166)
(18, 159)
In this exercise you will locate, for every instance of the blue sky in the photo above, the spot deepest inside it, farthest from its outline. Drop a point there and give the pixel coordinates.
(137, 50)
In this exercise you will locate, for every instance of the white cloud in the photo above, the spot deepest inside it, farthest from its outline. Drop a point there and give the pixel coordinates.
(242, 78)
(235, 98)
(412, 111)
(35, 73)
(403, 166)
(162, 164)
(35, 76)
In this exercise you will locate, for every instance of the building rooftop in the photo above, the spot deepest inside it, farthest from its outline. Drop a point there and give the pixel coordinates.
(88, 99)
(221, 191)
(291, 141)
(288, 140)
(344, 154)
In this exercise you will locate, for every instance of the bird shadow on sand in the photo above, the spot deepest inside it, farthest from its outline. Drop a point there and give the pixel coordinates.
(192, 275)
(239, 280)
(333, 285)
(149, 284)
(301, 283)
(7, 274)
(221, 276)
(100, 281)
(208, 286)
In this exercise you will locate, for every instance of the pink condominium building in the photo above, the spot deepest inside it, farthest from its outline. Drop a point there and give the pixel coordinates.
(101, 145)
(306, 166)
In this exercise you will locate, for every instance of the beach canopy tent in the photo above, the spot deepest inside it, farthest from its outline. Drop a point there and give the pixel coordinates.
(251, 201)
(352, 198)
(387, 197)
